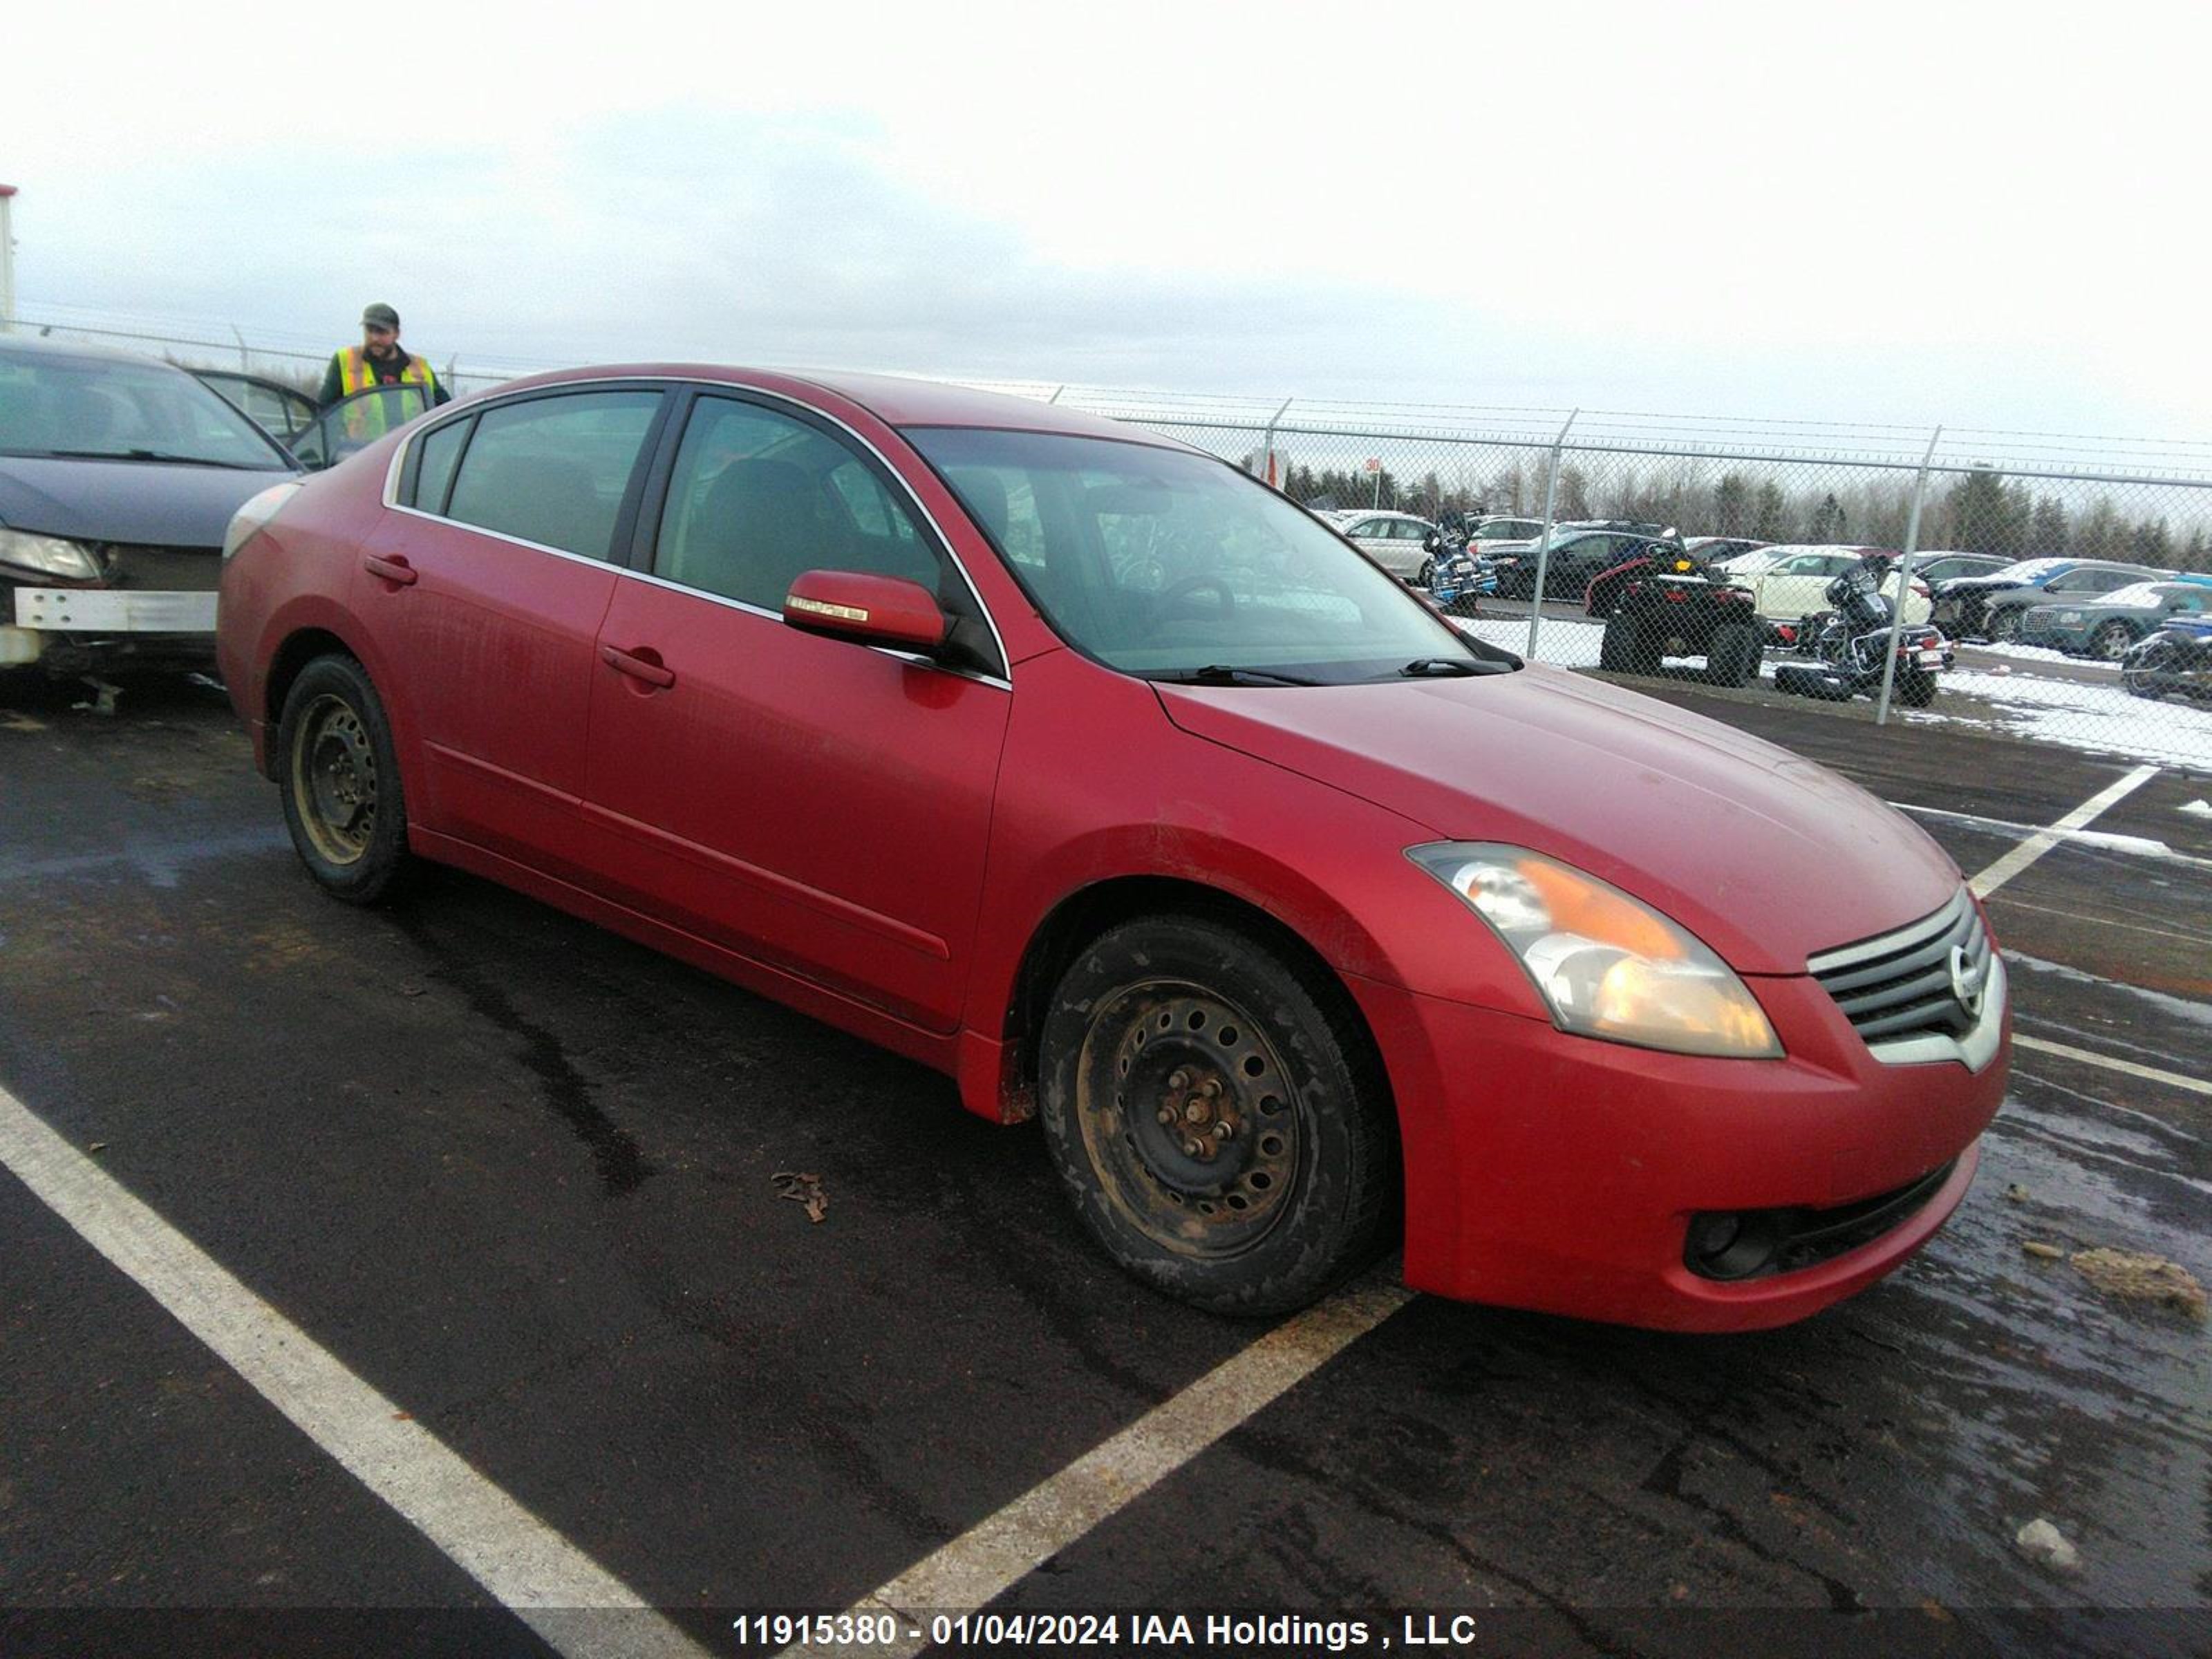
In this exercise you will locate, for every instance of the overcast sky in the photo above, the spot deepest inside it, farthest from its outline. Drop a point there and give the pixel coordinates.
(1990, 215)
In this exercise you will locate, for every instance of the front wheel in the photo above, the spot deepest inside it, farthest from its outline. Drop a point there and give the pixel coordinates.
(2110, 643)
(1217, 1116)
(340, 780)
(2003, 626)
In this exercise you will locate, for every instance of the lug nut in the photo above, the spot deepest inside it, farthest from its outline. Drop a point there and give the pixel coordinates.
(1167, 1114)
(1222, 1131)
(1179, 1078)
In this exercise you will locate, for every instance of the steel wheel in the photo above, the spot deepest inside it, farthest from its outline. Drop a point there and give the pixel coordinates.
(343, 801)
(1217, 1114)
(334, 780)
(1183, 1113)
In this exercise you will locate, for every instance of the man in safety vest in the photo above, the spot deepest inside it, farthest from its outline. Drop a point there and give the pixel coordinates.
(379, 360)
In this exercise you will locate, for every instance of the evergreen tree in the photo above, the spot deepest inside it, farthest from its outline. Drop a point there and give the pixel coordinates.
(1829, 520)
(2046, 530)
(2151, 544)
(1732, 509)
(1770, 520)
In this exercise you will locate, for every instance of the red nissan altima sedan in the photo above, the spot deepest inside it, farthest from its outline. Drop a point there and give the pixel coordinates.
(1073, 762)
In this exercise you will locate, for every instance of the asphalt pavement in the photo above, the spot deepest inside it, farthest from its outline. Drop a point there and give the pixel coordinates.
(519, 1177)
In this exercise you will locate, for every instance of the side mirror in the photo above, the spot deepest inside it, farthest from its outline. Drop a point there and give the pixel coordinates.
(848, 604)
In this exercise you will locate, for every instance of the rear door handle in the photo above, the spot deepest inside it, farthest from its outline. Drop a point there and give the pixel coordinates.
(637, 667)
(393, 568)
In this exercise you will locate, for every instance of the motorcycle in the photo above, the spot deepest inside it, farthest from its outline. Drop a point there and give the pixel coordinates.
(1850, 644)
(1454, 577)
(2173, 660)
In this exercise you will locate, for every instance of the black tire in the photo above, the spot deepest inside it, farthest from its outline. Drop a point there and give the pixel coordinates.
(2140, 674)
(1733, 657)
(339, 778)
(1218, 1118)
(1426, 577)
(1620, 649)
(2111, 642)
(1915, 690)
(2003, 625)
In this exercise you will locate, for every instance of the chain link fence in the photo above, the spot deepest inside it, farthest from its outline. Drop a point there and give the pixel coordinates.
(2055, 589)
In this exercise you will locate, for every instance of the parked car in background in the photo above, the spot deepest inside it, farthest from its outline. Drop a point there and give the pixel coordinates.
(1712, 549)
(1393, 540)
(1935, 566)
(1792, 581)
(1083, 767)
(119, 475)
(1988, 607)
(316, 436)
(2106, 626)
(1505, 528)
(1577, 557)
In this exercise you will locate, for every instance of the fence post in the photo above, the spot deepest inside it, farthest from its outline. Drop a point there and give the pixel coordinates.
(244, 361)
(1268, 449)
(1904, 580)
(1544, 543)
(1056, 391)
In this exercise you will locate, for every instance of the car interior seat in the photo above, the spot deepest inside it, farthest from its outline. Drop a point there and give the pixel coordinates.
(758, 528)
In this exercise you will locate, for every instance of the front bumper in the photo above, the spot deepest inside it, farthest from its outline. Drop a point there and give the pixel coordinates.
(67, 627)
(1561, 1174)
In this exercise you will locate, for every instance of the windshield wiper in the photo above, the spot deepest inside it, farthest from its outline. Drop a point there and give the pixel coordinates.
(147, 455)
(1216, 673)
(1423, 668)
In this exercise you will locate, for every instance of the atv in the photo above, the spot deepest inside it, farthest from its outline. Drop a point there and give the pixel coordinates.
(1677, 606)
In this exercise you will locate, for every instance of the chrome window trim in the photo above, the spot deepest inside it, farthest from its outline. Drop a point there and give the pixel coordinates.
(389, 501)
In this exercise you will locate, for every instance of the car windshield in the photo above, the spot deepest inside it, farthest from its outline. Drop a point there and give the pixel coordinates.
(2141, 593)
(111, 408)
(1751, 563)
(1172, 566)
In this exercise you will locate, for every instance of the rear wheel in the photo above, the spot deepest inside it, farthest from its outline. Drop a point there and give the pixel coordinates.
(341, 782)
(1733, 657)
(1623, 649)
(1426, 577)
(1916, 689)
(2141, 673)
(1217, 1116)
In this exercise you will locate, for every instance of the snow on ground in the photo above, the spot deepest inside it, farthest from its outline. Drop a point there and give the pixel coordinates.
(2098, 717)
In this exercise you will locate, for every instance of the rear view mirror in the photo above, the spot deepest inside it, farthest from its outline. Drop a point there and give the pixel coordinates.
(851, 605)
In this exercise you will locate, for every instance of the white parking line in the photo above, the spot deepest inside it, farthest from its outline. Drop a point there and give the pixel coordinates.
(999, 1551)
(2171, 1079)
(2043, 840)
(579, 1608)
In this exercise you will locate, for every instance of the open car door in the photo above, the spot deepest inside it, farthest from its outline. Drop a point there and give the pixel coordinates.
(355, 422)
(280, 410)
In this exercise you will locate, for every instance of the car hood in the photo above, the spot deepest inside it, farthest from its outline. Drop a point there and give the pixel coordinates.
(1765, 856)
(158, 503)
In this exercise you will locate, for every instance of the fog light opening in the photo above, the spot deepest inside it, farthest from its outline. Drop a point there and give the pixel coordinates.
(1724, 1244)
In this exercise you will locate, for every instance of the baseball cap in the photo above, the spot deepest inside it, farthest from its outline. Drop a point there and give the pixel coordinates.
(381, 316)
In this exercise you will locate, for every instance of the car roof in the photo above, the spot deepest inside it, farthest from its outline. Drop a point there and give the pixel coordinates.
(28, 347)
(894, 400)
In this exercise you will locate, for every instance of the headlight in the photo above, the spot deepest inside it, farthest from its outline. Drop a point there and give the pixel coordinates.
(1608, 966)
(255, 514)
(49, 556)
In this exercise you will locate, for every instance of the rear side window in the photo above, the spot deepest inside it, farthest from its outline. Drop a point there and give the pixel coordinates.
(434, 471)
(553, 470)
(757, 498)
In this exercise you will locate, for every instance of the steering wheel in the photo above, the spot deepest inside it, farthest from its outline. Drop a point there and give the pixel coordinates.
(1177, 593)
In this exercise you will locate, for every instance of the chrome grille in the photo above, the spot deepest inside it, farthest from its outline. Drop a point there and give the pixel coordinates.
(1900, 990)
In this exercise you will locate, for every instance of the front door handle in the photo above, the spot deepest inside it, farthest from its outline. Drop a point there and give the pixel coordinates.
(643, 666)
(393, 568)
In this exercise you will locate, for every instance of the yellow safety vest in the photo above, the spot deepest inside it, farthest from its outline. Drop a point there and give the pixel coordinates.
(370, 418)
